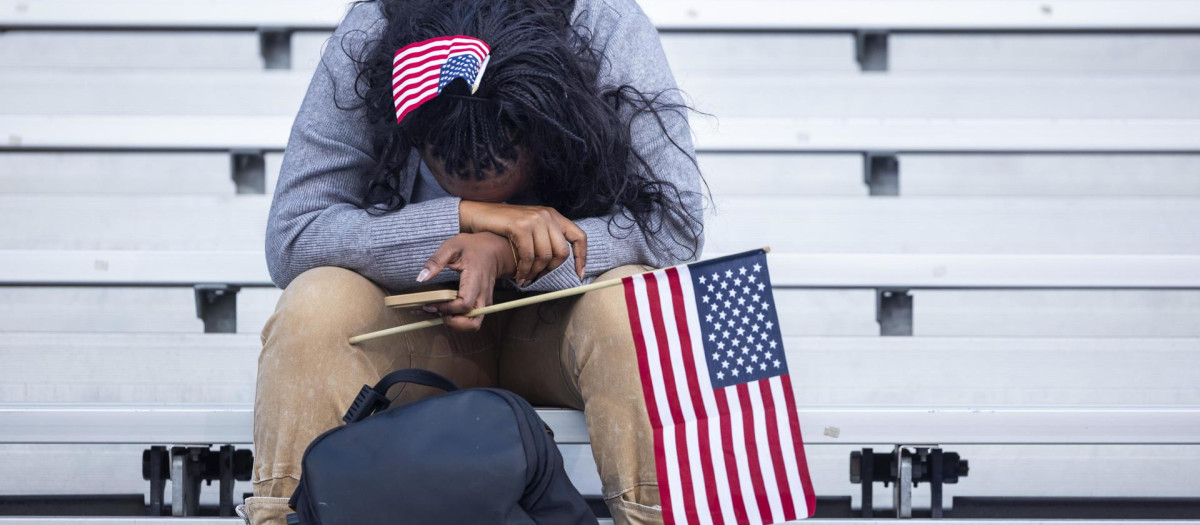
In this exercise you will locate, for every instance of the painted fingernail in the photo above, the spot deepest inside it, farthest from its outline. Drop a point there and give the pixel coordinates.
(429, 309)
(423, 275)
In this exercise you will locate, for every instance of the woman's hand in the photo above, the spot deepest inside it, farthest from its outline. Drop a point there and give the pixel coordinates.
(479, 258)
(541, 237)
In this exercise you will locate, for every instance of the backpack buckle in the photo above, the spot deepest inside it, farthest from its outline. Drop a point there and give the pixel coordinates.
(365, 403)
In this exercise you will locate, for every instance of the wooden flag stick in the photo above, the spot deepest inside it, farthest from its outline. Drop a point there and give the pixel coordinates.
(500, 307)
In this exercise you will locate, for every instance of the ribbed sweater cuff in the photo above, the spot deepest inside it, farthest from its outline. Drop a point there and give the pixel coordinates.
(604, 253)
(560, 278)
(403, 240)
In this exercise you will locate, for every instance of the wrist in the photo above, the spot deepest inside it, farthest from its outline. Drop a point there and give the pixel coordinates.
(503, 254)
(466, 216)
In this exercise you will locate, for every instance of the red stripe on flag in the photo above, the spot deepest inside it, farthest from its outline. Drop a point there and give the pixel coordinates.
(731, 469)
(810, 498)
(639, 343)
(416, 91)
(665, 360)
(415, 72)
(760, 490)
(785, 491)
(411, 50)
(689, 366)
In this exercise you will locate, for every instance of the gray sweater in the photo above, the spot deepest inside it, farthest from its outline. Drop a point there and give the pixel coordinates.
(316, 218)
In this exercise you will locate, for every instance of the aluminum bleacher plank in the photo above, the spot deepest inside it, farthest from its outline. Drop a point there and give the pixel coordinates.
(147, 309)
(194, 424)
(83, 50)
(919, 15)
(218, 133)
(965, 225)
(833, 225)
(1026, 54)
(224, 14)
(830, 372)
(95, 520)
(132, 268)
(937, 15)
(789, 270)
(177, 424)
(945, 271)
(603, 521)
(798, 175)
(948, 135)
(1057, 313)
(111, 173)
(930, 96)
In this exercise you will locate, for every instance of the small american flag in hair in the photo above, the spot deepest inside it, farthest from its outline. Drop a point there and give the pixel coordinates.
(420, 71)
(715, 378)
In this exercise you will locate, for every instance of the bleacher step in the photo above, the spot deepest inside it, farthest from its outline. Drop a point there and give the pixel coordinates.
(605, 521)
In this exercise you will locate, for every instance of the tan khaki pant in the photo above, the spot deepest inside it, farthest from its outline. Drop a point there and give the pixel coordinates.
(575, 353)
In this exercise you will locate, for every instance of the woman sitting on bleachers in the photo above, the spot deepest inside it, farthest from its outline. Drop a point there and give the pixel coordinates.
(572, 161)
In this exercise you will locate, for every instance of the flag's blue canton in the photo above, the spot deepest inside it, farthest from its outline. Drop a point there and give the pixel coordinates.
(465, 66)
(738, 323)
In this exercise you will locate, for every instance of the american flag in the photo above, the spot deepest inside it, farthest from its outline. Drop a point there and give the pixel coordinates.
(727, 440)
(422, 70)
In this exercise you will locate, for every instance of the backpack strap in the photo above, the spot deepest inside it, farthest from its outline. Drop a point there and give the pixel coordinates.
(373, 399)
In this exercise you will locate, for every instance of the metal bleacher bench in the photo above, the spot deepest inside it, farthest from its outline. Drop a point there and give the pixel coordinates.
(1016, 395)
(792, 15)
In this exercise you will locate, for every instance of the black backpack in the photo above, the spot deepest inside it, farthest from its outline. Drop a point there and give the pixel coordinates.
(479, 455)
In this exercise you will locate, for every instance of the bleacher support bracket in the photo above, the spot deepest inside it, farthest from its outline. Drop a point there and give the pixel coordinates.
(216, 304)
(894, 312)
(275, 46)
(881, 172)
(188, 467)
(249, 171)
(872, 50)
(906, 467)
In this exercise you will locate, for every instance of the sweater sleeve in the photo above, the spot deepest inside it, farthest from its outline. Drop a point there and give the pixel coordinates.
(316, 218)
(633, 56)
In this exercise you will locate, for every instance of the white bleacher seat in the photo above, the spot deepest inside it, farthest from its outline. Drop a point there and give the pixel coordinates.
(727, 174)
(821, 15)
(1057, 313)
(931, 271)
(835, 96)
(1047, 175)
(215, 424)
(602, 521)
(1041, 405)
(191, 369)
(734, 134)
(1032, 55)
(108, 173)
(139, 309)
(121, 50)
(1016, 226)
(1067, 399)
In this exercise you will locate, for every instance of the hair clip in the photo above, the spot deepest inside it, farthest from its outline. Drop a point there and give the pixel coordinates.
(420, 71)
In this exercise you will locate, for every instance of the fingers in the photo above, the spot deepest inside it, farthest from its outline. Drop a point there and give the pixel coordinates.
(469, 290)
(474, 291)
(454, 318)
(543, 253)
(525, 251)
(470, 324)
(578, 239)
(446, 254)
(561, 250)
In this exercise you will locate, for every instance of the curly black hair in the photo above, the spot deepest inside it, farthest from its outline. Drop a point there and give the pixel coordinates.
(541, 92)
